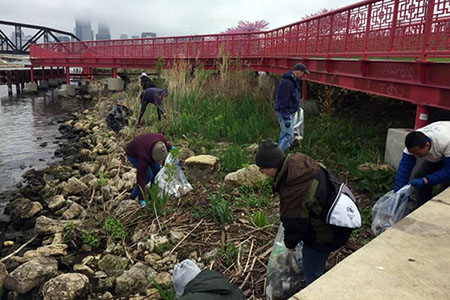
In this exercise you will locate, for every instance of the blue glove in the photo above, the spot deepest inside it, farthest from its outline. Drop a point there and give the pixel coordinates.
(287, 123)
(417, 182)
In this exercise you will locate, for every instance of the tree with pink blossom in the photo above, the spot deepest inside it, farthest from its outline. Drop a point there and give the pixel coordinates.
(247, 26)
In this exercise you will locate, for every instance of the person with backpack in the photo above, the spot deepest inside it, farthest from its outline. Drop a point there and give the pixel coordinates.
(287, 103)
(315, 207)
(191, 283)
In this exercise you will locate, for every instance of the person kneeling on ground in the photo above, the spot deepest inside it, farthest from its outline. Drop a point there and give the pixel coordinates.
(154, 96)
(146, 152)
(432, 144)
(307, 194)
(190, 283)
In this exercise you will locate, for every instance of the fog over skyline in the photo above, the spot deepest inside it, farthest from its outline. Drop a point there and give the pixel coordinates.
(164, 17)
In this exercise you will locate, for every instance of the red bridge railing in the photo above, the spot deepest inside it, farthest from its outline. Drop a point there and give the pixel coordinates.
(376, 28)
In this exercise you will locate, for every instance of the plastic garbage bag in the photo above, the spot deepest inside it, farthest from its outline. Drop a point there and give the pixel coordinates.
(298, 124)
(284, 273)
(118, 117)
(171, 179)
(391, 208)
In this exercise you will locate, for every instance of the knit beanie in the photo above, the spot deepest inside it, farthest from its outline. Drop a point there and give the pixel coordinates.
(183, 273)
(159, 152)
(269, 155)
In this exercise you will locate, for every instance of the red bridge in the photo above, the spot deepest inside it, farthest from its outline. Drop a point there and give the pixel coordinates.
(393, 48)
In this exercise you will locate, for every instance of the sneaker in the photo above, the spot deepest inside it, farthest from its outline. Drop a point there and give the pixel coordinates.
(143, 203)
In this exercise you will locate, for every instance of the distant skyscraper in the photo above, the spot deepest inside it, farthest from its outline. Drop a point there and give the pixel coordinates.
(148, 34)
(83, 30)
(123, 36)
(103, 32)
(134, 36)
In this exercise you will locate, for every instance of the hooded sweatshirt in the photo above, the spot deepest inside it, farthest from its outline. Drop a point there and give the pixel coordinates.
(210, 285)
(287, 99)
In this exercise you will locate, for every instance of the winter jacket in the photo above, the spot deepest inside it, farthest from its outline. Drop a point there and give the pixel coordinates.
(306, 194)
(210, 285)
(147, 83)
(438, 134)
(142, 147)
(153, 96)
(287, 99)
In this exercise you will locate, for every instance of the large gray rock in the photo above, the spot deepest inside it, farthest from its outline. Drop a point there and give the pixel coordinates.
(135, 280)
(31, 274)
(113, 265)
(56, 202)
(66, 287)
(46, 225)
(201, 167)
(185, 153)
(164, 279)
(74, 186)
(73, 211)
(248, 176)
(3, 274)
(24, 208)
(49, 250)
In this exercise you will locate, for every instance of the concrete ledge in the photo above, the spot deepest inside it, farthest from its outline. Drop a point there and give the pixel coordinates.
(43, 84)
(395, 144)
(53, 82)
(115, 84)
(409, 261)
(66, 90)
(30, 88)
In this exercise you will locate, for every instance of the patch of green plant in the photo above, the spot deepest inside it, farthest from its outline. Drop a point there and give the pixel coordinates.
(229, 253)
(90, 239)
(158, 202)
(101, 181)
(161, 248)
(260, 219)
(222, 214)
(375, 183)
(115, 228)
(234, 158)
(199, 212)
(165, 294)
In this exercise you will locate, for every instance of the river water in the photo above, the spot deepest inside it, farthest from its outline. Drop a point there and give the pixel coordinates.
(29, 128)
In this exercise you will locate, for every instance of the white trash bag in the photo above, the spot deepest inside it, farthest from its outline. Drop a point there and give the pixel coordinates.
(298, 124)
(284, 273)
(171, 179)
(391, 208)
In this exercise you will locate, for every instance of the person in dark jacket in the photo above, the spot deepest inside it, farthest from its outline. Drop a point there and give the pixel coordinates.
(305, 190)
(146, 82)
(287, 102)
(432, 144)
(190, 283)
(153, 96)
(146, 152)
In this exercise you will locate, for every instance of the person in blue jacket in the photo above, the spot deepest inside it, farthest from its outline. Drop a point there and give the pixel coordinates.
(432, 144)
(287, 103)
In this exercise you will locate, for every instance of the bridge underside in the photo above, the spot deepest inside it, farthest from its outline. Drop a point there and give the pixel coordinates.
(421, 82)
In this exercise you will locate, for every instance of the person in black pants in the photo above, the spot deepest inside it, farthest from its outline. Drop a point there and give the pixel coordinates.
(154, 96)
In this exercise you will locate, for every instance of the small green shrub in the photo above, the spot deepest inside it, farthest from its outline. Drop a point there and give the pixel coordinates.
(159, 202)
(375, 183)
(90, 239)
(163, 247)
(222, 214)
(234, 158)
(260, 219)
(101, 181)
(229, 253)
(115, 228)
(165, 294)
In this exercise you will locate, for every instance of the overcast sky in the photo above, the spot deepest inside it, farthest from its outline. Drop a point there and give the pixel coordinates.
(165, 17)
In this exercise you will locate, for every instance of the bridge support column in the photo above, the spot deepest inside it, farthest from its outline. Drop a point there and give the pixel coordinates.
(305, 90)
(43, 74)
(67, 75)
(51, 73)
(114, 73)
(9, 83)
(17, 81)
(422, 116)
(31, 74)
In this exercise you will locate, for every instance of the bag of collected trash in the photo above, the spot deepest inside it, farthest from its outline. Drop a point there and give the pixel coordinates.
(298, 124)
(118, 117)
(284, 273)
(171, 179)
(391, 208)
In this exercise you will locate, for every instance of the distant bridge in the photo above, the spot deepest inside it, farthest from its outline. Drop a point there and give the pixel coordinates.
(20, 46)
(393, 48)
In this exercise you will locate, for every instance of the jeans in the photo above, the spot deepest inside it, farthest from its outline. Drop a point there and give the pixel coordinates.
(425, 193)
(314, 263)
(152, 170)
(286, 134)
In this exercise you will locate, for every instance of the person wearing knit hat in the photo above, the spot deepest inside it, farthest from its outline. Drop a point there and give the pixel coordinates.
(190, 283)
(307, 191)
(287, 102)
(146, 82)
(146, 152)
